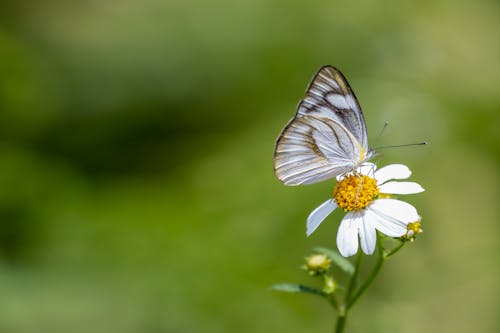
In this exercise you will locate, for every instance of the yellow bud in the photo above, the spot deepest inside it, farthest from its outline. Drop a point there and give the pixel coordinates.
(317, 264)
(412, 230)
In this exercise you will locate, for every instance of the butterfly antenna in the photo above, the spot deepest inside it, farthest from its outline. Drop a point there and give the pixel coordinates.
(377, 139)
(423, 143)
(383, 129)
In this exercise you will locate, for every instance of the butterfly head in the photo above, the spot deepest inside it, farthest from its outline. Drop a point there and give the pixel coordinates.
(369, 155)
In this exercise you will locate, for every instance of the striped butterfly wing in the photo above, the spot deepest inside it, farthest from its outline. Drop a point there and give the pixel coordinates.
(327, 136)
(312, 149)
(329, 94)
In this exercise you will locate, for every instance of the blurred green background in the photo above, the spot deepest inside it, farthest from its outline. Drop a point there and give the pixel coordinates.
(136, 141)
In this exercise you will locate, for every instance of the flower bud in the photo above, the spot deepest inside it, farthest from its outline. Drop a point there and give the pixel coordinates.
(317, 264)
(330, 285)
(412, 230)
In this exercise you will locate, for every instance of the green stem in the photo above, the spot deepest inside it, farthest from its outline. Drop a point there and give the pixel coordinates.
(351, 298)
(368, 281)
(333, 302)
(382, 257)
(373, 274)
(394, 250)
(339, 327)
(354, 277)
(343, 309)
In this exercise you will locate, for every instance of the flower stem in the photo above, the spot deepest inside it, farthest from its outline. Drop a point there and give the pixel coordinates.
(343, 308)
(333, 302)
(376, 269)
(394, 250)
(352, 296)
(382, 257)
(369, 279)
(354, 277)
(339, 327)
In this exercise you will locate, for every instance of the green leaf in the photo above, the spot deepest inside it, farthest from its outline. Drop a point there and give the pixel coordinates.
(297, 288)
(337, 259)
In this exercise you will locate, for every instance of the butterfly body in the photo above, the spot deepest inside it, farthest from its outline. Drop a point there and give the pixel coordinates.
(327, 137)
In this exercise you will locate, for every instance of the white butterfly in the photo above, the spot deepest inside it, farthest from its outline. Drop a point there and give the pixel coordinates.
(327, 137)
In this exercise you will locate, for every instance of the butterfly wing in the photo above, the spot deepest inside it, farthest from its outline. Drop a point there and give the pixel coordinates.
(312, 149)
(327, 136)
(330, 95)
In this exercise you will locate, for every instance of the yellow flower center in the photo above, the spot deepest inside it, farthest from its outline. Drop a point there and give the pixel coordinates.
(413, 229)
(355, 191)
(415, 226)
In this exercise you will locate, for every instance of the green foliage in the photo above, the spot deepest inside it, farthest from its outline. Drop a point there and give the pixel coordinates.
(136, 183)
(297, 288)
(337, 259)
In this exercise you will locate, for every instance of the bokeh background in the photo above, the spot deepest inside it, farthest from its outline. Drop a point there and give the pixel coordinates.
(136, 141)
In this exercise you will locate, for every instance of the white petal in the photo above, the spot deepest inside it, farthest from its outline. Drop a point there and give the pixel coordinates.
(318, 215)
(397, 209)
(400, 188)
(389, 227)
(392, 171)
(391, 216)
(347, 235)
(367, 236)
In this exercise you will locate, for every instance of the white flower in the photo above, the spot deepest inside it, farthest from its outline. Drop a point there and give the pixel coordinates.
(364, 194)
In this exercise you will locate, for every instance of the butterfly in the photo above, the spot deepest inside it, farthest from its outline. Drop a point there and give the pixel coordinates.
(327, 137)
